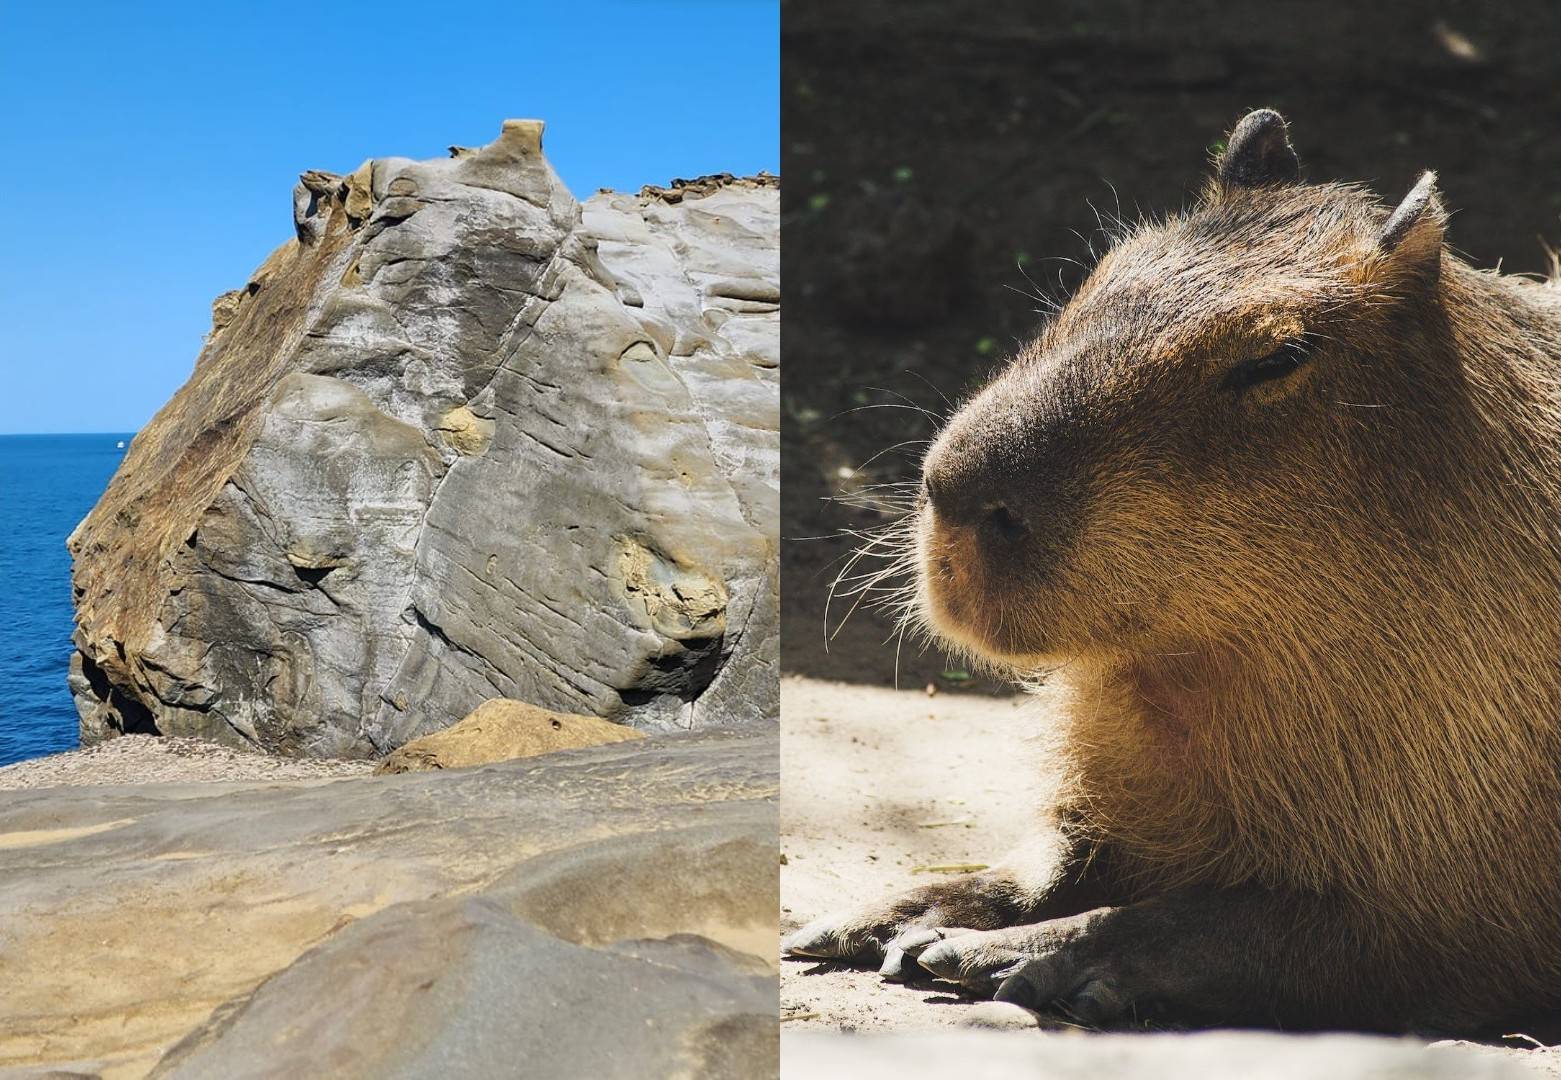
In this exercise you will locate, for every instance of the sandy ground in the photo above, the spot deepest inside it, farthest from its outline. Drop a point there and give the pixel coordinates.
(878, 783)
(874, 785)
(150, 759)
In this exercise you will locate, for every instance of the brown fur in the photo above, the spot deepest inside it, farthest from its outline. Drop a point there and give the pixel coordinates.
(1311, 631)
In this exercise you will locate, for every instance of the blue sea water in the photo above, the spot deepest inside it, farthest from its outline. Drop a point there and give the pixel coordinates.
(47, 485)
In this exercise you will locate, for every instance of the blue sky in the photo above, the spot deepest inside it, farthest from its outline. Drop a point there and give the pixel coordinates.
(151, 149)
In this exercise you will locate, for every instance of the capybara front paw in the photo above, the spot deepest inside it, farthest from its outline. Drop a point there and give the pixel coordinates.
(849, 938)
(977, 960)
(871, 935)
(900, 954)
(980, 960)
(1091, 995)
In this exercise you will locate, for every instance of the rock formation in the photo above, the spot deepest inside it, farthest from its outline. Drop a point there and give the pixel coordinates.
(463, 438)
(502, 730)
(607, 912)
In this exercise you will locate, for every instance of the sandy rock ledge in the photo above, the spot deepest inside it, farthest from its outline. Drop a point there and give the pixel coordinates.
(603, 912)
(501, 730)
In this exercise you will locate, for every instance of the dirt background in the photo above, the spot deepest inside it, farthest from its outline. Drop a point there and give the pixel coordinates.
(944, 159)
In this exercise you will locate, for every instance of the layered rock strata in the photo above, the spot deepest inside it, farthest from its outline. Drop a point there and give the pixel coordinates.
(464, 437)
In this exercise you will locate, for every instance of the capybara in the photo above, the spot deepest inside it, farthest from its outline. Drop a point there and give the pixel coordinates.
(1275, 500)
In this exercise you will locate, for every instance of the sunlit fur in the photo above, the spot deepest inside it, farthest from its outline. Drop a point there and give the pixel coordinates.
(1310, 634)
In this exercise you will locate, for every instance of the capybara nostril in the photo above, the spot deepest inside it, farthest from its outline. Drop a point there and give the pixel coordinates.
(961, 493)
(1004, 524)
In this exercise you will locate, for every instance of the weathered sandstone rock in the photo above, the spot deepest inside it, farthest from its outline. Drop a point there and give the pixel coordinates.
(601, 912)
(501, 730)
(461, 988)
(463, 437)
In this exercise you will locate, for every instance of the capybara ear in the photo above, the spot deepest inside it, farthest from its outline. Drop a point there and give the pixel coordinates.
(1258, 153)
(1411, 239)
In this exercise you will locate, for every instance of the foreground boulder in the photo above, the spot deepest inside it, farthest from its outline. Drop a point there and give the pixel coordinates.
(462, 436)
(605, 912)
(460, 988)
(501, 730)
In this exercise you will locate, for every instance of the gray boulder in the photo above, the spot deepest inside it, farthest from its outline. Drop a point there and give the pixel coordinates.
(463, 438)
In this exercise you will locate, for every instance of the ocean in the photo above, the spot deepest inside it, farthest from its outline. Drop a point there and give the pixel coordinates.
(47, 485)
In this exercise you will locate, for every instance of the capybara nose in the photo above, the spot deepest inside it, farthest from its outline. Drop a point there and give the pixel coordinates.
(965, 501)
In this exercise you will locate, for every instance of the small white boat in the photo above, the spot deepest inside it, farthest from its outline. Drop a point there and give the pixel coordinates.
(120, 445)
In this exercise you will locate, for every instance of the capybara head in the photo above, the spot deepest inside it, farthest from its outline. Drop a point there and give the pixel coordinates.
(1244, 418)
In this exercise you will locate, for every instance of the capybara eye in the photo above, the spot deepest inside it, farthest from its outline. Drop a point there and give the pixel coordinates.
(1276, 365)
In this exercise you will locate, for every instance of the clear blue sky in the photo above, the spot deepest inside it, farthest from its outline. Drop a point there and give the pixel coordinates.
(150, 150)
